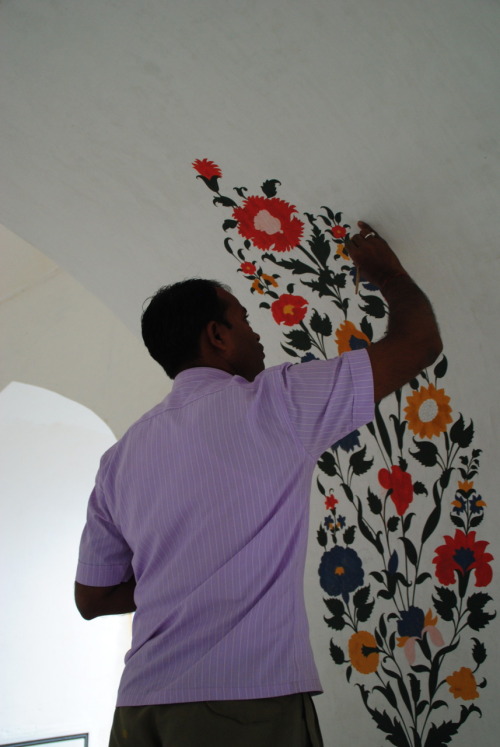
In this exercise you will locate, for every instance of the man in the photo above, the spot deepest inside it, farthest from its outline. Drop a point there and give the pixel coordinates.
(198, 520)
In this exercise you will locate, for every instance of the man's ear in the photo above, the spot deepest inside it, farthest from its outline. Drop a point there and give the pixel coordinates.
(215, 335)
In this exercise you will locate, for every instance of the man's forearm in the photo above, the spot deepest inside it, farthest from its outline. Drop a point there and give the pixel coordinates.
(96, 601)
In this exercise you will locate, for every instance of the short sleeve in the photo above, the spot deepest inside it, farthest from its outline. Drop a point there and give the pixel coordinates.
(327, 400)
(105, 559)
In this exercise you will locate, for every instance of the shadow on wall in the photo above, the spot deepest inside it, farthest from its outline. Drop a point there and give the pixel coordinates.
(62, 671)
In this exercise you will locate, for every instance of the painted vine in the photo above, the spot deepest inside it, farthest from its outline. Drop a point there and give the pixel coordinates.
(405, 637)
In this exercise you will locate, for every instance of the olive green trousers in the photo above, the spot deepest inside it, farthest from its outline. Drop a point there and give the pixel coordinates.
(285, 721)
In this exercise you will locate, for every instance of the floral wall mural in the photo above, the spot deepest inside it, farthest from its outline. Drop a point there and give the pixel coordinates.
(401, 561)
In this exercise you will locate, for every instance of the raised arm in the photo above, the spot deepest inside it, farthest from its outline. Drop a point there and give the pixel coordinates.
(412, 340)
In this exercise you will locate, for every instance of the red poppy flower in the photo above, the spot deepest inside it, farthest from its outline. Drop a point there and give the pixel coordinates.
(330, 502)
(269, 223)
(289, 310)
(248, 268)
(462, 553)
(401, 485)
(206, 168)
(338, 232)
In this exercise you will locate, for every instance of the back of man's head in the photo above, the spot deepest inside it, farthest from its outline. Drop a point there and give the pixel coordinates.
(175, 318)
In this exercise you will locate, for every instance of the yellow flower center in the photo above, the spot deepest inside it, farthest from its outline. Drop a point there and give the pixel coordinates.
(288, 309)
(339, 571)
(428, 410)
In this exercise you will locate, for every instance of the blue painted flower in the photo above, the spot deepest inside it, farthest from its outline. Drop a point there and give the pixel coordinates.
(341, 522)
(329, 522)
(349, 442)
(308, 357)
(340, 572)
(411, 622)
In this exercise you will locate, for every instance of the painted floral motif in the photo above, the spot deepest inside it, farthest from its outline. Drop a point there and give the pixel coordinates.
(428, 412)
(289, 310)
(400, 485)
(269, 223)
(341, 572)
(463, 684)
(363, 652)
(393, 627)
(460, 555)
(349, 337)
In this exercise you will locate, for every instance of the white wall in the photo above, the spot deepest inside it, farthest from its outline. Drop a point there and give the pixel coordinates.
(62, 671)
(384, 109)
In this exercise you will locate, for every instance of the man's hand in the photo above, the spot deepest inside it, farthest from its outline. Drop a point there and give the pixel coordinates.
(373, 256)
(412, 341)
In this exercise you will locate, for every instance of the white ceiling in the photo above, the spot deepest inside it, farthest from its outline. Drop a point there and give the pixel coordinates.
(386, 110)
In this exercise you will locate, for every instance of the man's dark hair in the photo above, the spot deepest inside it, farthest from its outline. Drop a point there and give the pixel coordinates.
(174, 319)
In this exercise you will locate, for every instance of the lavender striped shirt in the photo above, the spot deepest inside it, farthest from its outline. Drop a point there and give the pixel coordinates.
(206, 500)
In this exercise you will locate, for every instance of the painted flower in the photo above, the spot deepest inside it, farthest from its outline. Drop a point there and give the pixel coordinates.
(349, 337)
(248, 268)
(269, 223)
(340, 522)
(462, 554)
(206, 168)
(363, 652)
(411, 627)
(269, 280)
(341, 251)
(330, 502)
(463, 684)
(476, 503)
(340, 572)
(257, 286)
(400, 483)
(309, 357)
(338, 232)
(328, 522)
(428, 411)
(289, 310)
(349, 442)
(466, 485)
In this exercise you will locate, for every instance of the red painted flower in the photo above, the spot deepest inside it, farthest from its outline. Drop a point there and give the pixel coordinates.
(269, 223)
(206, 168)
(338, 232)
(462, 553)
(401, 485)
(330, 502)
(289, 310)
(248, 268)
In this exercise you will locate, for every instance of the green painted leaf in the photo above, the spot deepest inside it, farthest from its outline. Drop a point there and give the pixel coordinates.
(269, 187)
(358, 463)
(299, 339)
(327, 464)
(321, 324)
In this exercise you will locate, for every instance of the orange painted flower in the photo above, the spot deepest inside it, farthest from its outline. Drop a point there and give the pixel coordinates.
(349, 337)
(269, 280)
(342, 252)
(256, 286)
(289, 310)
(269, 223)
(463, 684)
(361, 653)
(465, 485)
(206, 168)
(428, 411)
